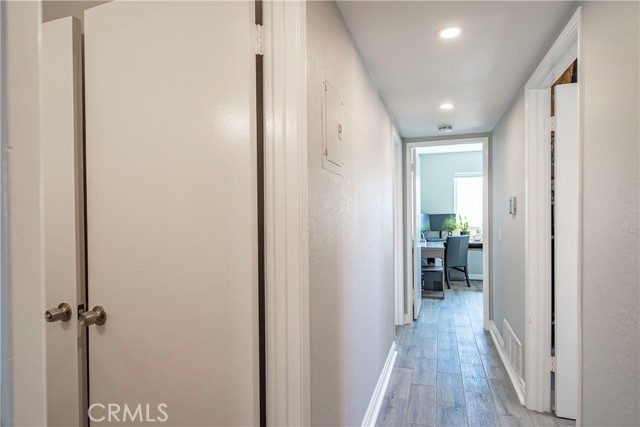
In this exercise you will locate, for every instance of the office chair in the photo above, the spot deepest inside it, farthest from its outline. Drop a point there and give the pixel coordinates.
(455, 256)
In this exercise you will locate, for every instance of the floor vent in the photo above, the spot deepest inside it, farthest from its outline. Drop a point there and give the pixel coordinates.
(512, 347)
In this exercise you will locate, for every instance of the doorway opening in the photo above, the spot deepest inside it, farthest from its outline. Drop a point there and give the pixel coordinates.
(442, 180)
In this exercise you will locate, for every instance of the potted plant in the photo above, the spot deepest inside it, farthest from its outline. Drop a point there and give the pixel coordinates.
(463, 225)
(450, 224)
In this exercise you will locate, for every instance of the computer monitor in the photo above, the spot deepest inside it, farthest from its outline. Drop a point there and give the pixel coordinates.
(425, 224)
(439, 221)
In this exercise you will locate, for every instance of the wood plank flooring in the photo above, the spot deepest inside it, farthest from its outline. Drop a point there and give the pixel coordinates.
(448, 371)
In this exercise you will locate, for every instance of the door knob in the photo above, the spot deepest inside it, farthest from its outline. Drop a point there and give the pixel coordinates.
(62, 313)
(97, 316)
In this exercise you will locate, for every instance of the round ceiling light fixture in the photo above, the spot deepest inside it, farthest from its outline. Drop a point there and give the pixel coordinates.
(445, 128)
(449, 32)
(446, 106)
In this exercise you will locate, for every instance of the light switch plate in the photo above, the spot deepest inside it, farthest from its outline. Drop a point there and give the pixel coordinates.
(333, 129)
(512, 205)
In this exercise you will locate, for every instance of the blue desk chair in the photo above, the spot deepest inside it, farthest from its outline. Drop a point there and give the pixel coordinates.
(455, 256)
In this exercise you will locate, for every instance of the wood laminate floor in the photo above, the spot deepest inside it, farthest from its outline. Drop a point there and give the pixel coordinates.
(448, 371)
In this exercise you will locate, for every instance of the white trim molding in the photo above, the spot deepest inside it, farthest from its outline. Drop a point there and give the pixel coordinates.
(516, 380)
(373, 410)
(398, 230)
(286, 214)
(409, 220)
(487, 218)
(537, 207)
(4, 282)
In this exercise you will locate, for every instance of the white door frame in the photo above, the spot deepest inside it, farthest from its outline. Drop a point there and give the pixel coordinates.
(286, 223)
(486, 225)
(412, 305)
(416, 257)
(409, 219)
(398, 234)
(537, 206)
(4, 375)
(286, 213)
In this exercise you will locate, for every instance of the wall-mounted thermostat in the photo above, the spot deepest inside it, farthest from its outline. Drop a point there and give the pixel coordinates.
(512, 205)
(334, 129)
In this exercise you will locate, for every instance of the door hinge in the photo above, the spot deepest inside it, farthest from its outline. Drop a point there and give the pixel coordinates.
(259, 40)
(552, 123)
(550, 364)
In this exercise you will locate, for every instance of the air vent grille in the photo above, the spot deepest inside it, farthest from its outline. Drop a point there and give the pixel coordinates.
(512, 347)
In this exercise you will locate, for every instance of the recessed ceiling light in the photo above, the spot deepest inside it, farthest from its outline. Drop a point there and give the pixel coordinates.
(445, 128)
(446, 106)
(449, 32)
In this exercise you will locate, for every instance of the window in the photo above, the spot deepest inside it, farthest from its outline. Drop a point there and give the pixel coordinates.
(467, 190)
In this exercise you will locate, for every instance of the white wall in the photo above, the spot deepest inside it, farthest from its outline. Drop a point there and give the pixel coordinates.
(350, 231)
(609, 76)
(507, 252)
(25, 282)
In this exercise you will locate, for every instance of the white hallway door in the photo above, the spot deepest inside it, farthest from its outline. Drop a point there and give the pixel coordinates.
(567, 235)
(172, 213)
(63, 202)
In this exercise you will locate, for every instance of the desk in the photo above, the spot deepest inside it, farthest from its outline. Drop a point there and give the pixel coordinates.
(475, 245)
(433, 250)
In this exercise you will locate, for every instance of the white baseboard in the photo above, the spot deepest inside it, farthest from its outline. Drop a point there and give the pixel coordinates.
(408, 317)
(518, 383)
(371, 416)
(476, 276)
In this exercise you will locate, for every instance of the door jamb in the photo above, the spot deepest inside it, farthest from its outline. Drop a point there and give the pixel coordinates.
(4, 341)
(408, 210)
(537, 205)
(398, 233)
(286, 213)
(486, 199)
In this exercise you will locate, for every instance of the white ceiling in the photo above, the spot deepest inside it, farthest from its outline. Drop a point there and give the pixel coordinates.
(479, 72)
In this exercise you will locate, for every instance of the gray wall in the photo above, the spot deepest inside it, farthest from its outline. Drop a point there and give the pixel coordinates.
(609, 80)
(507, 254)
(436, 178)
(351, 231)
(610, 336)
